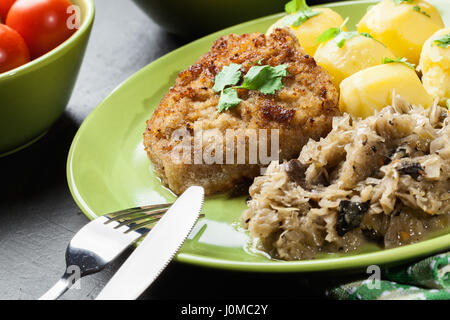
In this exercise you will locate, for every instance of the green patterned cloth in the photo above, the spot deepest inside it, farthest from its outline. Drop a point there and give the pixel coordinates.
(428, 279)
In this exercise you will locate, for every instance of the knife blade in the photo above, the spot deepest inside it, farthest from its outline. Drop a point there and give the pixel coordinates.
(157, 249)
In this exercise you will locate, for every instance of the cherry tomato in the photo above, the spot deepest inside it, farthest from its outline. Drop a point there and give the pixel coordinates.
(4, 8)
(13, 50)
(42, 23)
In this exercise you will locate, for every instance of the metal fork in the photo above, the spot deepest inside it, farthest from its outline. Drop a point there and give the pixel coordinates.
(101, 241)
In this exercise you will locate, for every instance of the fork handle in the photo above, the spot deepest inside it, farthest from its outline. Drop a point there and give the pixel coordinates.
(58, 289)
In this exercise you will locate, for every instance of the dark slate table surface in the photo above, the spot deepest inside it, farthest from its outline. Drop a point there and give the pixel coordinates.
(38, 216)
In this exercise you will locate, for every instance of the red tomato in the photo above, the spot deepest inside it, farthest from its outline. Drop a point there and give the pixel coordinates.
(4, 8)
(42, 23)
(13, 50)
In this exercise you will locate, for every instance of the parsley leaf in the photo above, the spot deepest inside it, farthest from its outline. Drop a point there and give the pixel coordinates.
(417, 9)
(230, 75)
(367, 35)
(328, 35)
(299, 12)
(300, 17)
(443, 42)
(265, 79)
(228, 99)
(448, 104)
(342, 36)
(402, 1)
(399, 60)
(295, 5)
(331, 33)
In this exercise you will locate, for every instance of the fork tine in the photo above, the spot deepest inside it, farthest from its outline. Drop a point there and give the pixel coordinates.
(141, 217)
(149, 222)
(137, 210)
(143, 225)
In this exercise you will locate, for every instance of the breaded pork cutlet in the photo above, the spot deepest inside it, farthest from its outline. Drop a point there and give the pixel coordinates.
(302, 109)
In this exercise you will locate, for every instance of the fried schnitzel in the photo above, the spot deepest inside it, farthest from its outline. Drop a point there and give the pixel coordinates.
(301, 110)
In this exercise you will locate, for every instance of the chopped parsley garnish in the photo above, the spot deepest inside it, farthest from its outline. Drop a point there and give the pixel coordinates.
(265, 79)
(448, 104)
(443, 42)
(299, 18)
(230, 75)
(299, 12)
(417, 9)
(328, 35)
(367, 35)
(295, 5)
(399, 60)
(340, 35)
(228, 99)
(403, 1)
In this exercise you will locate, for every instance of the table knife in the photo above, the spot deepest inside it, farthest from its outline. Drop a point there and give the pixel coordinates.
(157, 249)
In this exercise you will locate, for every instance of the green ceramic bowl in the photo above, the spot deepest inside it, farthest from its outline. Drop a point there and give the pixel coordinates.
(200, 17)
(33, 96)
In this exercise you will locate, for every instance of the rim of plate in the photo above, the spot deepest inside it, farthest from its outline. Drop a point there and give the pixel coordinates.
(408, 252)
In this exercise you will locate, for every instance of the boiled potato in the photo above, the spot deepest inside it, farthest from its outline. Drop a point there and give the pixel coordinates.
(372, 89)
(435, 66)
(356, 54)
(310, 30)
(401, 27)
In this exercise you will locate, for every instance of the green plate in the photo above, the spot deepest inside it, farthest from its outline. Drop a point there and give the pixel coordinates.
(108, 168)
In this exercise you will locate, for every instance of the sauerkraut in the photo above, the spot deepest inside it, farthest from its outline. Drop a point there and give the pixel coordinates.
(383, 179)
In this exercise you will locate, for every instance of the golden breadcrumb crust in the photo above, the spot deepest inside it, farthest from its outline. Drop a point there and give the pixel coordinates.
(302, 109)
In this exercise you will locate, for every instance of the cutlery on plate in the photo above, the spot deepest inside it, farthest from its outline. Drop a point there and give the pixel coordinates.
(157, 249)
(102, 240)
